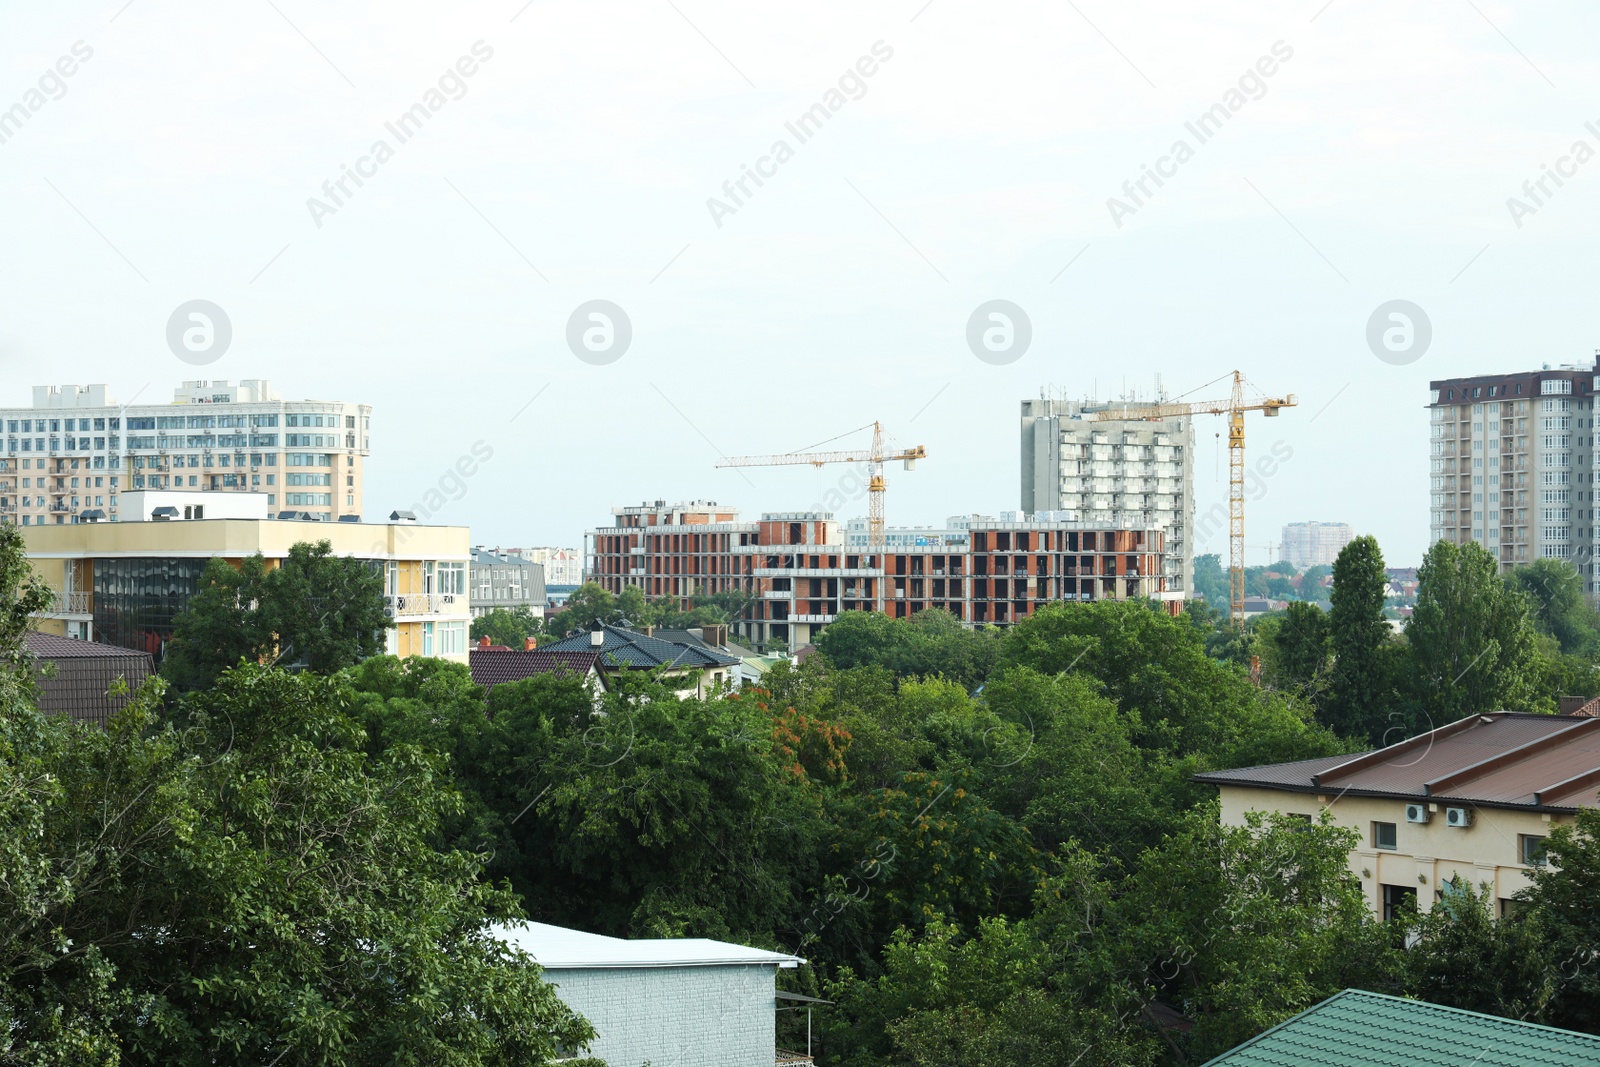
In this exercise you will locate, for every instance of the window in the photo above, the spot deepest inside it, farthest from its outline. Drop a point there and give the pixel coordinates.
(1530, 850)
(452, 578)
(1383, 836)
(427, 638)
(452, 638)
(1398, 899)
(1555, 386)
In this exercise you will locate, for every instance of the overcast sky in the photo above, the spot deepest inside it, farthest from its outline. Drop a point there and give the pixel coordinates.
(975, 162)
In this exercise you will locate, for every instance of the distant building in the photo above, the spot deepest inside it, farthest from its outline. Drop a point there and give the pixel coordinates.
(1512, 460)
(799, 573)
(1127, 474)
(1312, 544)
(76, 450)
(562, 566)
(1467, 803)
(76, 677)
(124, 583)
(685, 1001)
(500, 580)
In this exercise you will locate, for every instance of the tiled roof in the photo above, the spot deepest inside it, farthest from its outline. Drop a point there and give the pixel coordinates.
(1500, 760)
(83, 675)
(1360, 1029)
(686, 637)
(491, 668)
(628, 648)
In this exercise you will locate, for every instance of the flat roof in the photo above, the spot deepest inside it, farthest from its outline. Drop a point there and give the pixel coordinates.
(561, 948)
(203, 538)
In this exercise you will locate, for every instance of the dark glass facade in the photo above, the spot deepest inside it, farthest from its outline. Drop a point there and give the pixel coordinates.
(136, 600)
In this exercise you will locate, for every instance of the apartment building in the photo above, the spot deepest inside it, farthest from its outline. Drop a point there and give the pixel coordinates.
(503, 581)
(801, 572)
(1512, 464)
(1127, 474)
(125, 583)
(77, 449)
(562, 566)
(1312, 544)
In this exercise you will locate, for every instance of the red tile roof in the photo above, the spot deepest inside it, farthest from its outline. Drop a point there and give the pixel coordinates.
(491, 667)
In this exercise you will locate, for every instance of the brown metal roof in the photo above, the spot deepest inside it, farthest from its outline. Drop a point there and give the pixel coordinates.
(1502, 759)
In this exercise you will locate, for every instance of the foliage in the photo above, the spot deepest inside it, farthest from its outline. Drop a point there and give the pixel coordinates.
(1471, 640)
(510, 627)
(1466, 958)
(1211, 580)
(928, 643)
(1557, 605)
(1357, 633)
(315, 609)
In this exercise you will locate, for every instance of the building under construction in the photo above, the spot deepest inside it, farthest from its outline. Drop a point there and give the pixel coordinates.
(802, 571)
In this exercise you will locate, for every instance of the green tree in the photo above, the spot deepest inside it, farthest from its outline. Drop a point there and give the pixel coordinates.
(315, 609)
(1471, 640)
(589, 604)
(1359, 698)
(1466, 958)
(1211, 580)
(928, 643)
(22, 595)
(1554, 589)
(1563, 897)
(1298, 649)
(510, 627)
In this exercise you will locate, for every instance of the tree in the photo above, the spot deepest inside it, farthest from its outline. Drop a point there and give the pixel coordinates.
(1359, 693)
(589, 604)
(1299, 648)
(22, 595)
(1563, 897)
(1554, 589)
(252, 888)
(315, 609)
(1466, 958)
(1471, 640)
(510, 627)
(928, 643)
(1210, 580)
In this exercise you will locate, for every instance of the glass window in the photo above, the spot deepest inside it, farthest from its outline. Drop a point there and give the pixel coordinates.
(1383, 836)
(1530, 850)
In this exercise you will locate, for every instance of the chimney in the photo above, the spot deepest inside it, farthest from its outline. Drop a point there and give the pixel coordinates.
(483, 642)
(597, 638)
(529, 644)
(648, 631)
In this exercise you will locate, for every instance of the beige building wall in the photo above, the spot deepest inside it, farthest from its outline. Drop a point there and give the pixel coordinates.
(63, 557)
(1426, 854)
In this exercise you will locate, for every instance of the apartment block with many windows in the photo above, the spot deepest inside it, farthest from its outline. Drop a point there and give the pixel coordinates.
(1512, 465)
(799, 571)
(1126, 474)
(68, 458)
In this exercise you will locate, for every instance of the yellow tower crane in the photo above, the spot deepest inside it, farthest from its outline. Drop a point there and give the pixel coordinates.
(1234, 407)
(874, 458)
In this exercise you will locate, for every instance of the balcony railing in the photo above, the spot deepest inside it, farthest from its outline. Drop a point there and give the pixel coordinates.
(425, 603)
(70, 603)
(792, 1059)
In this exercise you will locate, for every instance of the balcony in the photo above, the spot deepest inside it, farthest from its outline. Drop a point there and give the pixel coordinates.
(73, 604)
(408, 604)
(792, 1059)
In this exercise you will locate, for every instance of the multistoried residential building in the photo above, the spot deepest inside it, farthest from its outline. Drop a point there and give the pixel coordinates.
(501, 581)
(800, 572)
(1311, 544)
(562, 566)
(125, 584)
(1128, 474)
(68, 458)
(1512, 464)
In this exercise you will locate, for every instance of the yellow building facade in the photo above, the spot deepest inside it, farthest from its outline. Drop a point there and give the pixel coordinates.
(124, 583)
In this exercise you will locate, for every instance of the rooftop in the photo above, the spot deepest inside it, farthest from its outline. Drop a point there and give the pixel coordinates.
(628, 648)
(1360, 1029)
(560, 948)
(497, 664)
(1503, 759)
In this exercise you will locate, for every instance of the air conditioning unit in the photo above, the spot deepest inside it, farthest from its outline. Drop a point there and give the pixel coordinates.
(1416, 813)
(1458, 817)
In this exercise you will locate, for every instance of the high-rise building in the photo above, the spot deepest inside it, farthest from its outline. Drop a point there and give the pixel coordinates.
(562, 566)
(1312, 544)
(68, 458)
(1512, 464)
(1130, 474)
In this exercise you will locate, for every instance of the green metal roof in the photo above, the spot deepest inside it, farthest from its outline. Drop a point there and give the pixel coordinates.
(1360, 1029)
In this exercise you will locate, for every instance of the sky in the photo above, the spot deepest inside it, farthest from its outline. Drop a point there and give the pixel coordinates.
(1368, 152)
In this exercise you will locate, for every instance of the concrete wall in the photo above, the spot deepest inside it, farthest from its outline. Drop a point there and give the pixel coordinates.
(676, 1016)
(1428, 854)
